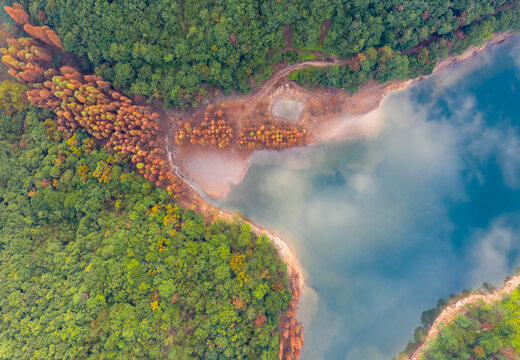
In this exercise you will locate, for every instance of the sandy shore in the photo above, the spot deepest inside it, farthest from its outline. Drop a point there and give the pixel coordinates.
(214, 170)
(361, 117)
(329, 115)
(450, 312)
(355, 117)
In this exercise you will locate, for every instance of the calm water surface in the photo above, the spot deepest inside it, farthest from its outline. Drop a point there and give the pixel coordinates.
(385, 227)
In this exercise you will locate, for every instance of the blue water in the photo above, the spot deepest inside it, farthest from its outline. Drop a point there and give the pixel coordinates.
(385, 227)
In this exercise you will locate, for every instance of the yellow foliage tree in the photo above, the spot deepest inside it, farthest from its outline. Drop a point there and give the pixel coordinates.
(12, 97)
(479, 352)
(236, 261)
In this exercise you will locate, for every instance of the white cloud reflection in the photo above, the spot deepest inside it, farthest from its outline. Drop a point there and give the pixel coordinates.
(373, 223)
(496, 251)
(515, 54)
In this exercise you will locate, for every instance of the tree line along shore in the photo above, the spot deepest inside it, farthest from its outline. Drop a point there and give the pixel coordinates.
(130, 271)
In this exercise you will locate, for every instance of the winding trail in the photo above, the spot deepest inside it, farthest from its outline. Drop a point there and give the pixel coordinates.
(267, 86)
(450, 312)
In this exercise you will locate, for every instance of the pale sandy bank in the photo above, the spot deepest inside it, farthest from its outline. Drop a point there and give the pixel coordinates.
(450, 312)
(213, 170)
(359, 117)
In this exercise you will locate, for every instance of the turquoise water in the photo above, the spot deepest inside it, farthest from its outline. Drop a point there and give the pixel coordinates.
(385, 227)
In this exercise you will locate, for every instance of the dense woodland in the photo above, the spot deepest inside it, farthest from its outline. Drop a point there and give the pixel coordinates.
(403, 62)
(484, 332)
(180, 51)
(96, 262)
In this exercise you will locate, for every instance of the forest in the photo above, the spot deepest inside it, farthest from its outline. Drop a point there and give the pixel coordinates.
(428, 317)
(96, 258)
(390, 63)
(180, 52)
(483, 332)
(97, 262)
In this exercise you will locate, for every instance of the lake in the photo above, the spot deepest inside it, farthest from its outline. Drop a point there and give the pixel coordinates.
(385, 227)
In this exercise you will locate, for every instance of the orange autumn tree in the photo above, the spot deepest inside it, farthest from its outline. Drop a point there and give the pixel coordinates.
(271, 137)
(213, 130)
(89, 102)
(25, 59)
(45, 34)
(17, 13)
(53, 37)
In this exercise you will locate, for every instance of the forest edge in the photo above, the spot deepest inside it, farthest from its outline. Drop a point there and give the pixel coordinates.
(293, 339)
(376, 92)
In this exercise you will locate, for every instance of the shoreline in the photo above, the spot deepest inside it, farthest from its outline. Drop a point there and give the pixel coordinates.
(348, 118)
(451, 311)
(340, 128)
(291, 331)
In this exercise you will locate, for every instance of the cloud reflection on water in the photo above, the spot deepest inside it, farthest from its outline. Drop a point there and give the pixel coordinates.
(385, 227)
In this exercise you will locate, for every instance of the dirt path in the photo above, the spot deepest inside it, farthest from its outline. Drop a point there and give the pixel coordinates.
(267, 86)
(450, 312)
(333, 60)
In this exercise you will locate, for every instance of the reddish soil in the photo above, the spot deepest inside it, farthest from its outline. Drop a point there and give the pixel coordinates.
(215, 170)
(291, 330)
